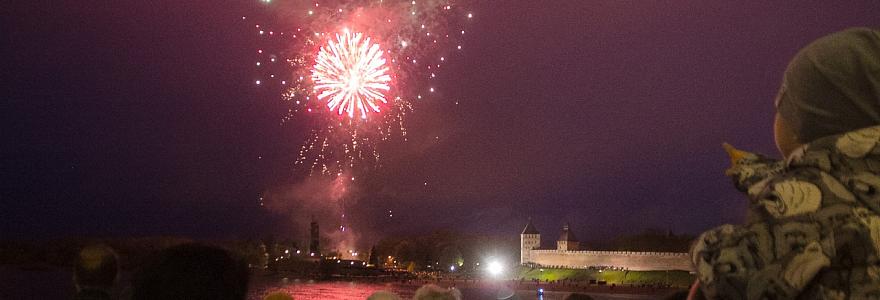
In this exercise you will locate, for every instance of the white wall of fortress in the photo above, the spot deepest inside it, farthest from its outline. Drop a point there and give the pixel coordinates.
(634, 261)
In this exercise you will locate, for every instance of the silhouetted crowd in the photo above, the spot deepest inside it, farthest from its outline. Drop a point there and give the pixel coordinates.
(191, 272)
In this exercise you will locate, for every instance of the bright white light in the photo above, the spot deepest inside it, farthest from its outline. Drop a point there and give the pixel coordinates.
(495, 268)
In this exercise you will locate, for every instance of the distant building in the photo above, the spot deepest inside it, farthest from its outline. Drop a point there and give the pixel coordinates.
(568, 254)
(315, 239)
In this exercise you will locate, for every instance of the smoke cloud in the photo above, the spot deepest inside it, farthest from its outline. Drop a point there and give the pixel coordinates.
(323, 199)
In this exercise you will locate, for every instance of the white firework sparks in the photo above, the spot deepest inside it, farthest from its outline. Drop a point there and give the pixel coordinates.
(351, 74)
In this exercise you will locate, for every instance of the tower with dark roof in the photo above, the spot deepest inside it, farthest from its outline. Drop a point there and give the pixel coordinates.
(567, 241)
(528, 240)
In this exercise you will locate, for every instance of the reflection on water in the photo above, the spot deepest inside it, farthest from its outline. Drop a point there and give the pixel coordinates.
(360, 290)
(58, 284)
(327, 290)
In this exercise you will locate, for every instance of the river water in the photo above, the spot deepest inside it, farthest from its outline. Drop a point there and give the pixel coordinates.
(57, 284)
(341, 290)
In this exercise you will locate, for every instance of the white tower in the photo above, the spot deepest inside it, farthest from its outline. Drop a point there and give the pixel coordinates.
(528, 240)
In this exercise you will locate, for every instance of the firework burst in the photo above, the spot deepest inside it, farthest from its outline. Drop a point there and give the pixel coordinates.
(351, 74)
(325, 59)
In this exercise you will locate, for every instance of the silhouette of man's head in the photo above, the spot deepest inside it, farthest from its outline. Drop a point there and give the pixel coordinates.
(433, 292)
(192, 271)
(280, 295)
(383, 295)
(96, 268)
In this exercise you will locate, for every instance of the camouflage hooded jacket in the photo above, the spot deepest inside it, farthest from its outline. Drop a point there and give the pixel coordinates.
(813, 226)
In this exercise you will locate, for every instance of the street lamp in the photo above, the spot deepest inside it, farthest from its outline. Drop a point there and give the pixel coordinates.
(495, 268)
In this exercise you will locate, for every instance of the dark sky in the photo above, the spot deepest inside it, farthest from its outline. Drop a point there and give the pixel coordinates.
(132, 118)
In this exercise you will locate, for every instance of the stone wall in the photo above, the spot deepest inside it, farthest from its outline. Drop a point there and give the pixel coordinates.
(634, 261)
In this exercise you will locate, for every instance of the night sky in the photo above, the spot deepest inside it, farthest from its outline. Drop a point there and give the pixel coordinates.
(134, 118)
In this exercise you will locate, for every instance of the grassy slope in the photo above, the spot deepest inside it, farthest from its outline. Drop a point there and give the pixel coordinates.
(676, 278)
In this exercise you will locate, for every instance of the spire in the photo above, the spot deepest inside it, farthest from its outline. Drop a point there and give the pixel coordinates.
(530, 228)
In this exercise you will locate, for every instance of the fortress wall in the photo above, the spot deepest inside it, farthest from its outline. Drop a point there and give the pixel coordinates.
(635, 261)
